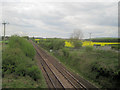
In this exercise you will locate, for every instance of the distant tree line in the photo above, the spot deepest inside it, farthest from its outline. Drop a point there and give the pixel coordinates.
(104, 39)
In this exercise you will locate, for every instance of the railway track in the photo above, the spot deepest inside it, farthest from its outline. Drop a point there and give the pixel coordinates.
(56, 75)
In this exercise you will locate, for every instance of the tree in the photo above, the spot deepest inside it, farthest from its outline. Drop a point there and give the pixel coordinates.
(77, 34)
(76, 38)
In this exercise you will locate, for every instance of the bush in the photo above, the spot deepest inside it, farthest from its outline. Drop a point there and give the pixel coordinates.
(21, 69)
(17, 58)
(11, 58)
(77, 43)
(34, 72)
(116, 47)
(89, 48)
(54, 44)
(65, 52)
(58, 44)
(23, 44)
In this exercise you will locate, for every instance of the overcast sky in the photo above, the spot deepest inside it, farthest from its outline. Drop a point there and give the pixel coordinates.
(60, 19)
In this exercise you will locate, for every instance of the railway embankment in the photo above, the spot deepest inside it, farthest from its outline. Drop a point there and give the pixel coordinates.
(101, 67)
(19, 69)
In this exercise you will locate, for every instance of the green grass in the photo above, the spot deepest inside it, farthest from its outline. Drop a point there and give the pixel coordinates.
(98, 66)
(18, 61)
(13, 81)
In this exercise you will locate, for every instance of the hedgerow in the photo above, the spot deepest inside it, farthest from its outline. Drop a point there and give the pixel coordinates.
(54, 44)
(18, 58)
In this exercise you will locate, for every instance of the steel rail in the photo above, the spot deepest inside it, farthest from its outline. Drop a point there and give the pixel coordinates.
(66, 73)
(47, 73)
(51, 71)
(82, 86)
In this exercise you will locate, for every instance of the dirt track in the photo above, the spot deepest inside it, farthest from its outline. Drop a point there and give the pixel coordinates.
(56, 75)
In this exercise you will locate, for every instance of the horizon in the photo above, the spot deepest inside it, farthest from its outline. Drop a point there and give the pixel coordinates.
(59, 37)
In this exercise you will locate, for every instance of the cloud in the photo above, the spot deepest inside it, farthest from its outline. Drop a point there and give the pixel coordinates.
(60, 19)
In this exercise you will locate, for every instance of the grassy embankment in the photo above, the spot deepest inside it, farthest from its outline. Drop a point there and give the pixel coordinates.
(98, 66)
(19, 69)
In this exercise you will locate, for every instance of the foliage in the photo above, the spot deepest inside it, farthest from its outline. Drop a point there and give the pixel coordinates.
(18, 59)
(89, 48)
(65, 52)
(11, 58)
(116, 47)
(23, 44)
(34, 72)
(77, 43)
(98, 65)
(14, 82)
(54, 44)
(26, 37)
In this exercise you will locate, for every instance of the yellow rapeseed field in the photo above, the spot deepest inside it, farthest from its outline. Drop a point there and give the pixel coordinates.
(90, 43)
(86, 43)
(68, 44)
(39, 39)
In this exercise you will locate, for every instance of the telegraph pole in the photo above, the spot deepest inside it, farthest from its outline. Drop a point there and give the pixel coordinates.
(4, 24)
(90, 36)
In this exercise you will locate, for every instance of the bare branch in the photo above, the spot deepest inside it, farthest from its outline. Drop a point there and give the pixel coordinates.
(77, 34)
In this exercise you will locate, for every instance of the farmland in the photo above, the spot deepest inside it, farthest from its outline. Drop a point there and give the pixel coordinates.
(98, 66)
(113, 42)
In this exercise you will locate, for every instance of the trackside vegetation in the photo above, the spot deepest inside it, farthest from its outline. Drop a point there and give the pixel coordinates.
(19, 69)
(54, 44)
(101, 67)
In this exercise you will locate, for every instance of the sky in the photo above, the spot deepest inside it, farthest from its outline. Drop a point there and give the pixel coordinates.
(59, 19)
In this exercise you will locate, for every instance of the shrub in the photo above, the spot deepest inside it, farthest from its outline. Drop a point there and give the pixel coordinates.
(88, 48)
(104, 53)
(11, 58)
(23, 44)
(21, 69)
(54, 44)
(34, 72)
(17, 58)
(65, 52)
(77, 43)
(116, 47)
